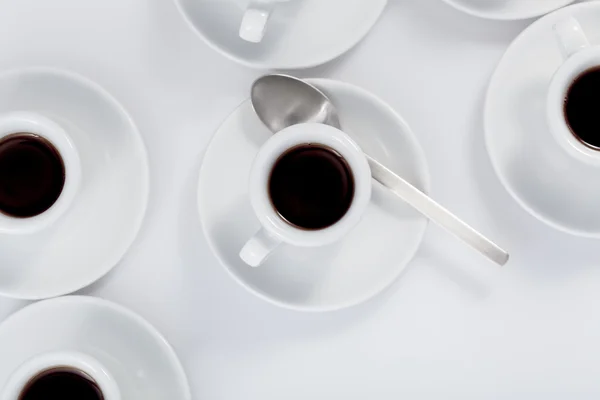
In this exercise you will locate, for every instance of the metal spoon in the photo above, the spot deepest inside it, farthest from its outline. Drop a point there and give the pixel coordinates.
(281, 101)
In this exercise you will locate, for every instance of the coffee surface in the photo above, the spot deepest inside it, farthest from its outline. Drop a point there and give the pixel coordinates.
(61, 384)
(582, 108)
(32, 175)
(311, 186)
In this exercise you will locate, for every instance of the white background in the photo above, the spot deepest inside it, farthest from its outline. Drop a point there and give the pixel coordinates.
(453, 327)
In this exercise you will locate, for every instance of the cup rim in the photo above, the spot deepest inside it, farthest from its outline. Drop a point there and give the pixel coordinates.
(38, 124)
(562, 80)
(36, 365)
(271, 151)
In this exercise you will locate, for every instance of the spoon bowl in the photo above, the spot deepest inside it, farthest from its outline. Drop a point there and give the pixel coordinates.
(281, 101)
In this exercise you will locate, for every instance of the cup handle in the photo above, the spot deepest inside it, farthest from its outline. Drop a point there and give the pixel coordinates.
(259, 247)
(254, 22)
(570, 36)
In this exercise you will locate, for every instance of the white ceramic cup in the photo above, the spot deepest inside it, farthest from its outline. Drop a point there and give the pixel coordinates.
(83, 363)
(275, 230)
(579, 56)
(255, 19)
(28, 122)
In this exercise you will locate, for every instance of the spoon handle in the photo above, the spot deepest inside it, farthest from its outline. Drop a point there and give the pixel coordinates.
(436, 213)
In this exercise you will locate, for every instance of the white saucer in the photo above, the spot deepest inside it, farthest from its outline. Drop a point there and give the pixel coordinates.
(300, 34)
(346, 273)
(533, 167)
(94, 234)
(508, 9)
(141, 361)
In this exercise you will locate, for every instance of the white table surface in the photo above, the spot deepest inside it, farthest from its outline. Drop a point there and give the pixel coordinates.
(453, 327)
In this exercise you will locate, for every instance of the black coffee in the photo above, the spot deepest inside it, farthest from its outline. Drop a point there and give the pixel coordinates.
(61, 384)
(311, 186)
(32, 175)
(582, 108)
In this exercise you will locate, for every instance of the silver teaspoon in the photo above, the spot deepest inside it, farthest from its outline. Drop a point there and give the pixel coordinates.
(281, 101)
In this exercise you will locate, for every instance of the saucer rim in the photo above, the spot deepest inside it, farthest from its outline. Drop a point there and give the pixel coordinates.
(145, 179)
(280, 66)
(118, 308)
(420, 153)
(488, 129)
(511, 17)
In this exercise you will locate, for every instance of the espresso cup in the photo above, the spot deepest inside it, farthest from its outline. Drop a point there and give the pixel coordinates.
(33, 127)
(255, 19)
(579, 57)
(291, 207)
(82, 366)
